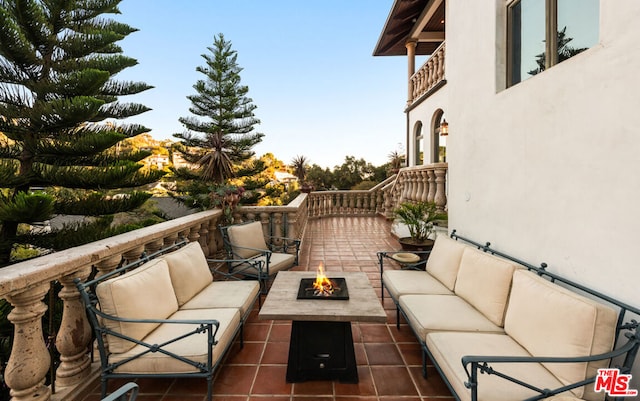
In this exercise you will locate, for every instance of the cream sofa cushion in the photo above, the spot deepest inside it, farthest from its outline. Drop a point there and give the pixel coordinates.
(277, 262)
(549, 320)
(429, 313)
(189, 271)
(194, 347)
(404, 282)
(448, 348)
(484, 281)
(247, 236)
(444, 260)
(226, 294)
(143, 293)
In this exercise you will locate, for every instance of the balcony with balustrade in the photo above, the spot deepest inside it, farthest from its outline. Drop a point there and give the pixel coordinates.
(342, 229)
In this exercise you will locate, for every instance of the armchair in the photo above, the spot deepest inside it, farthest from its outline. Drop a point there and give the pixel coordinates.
(252, 254)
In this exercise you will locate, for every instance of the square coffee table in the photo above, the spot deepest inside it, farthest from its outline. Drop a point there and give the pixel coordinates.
(321, 346)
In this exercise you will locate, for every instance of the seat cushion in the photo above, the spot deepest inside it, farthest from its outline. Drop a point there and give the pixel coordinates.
(549, 320)
(226, 294)
(447, 349)
(194, 347)
(484, 281)
(247, 236)
(404, 282)
(278, 262)
(189, 271)
(444, 260)
(429, 313)
(143, 293)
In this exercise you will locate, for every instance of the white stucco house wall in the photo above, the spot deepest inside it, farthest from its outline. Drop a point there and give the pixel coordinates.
(547, 169)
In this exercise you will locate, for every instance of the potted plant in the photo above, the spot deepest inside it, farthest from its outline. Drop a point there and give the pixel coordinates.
(420, 218)
(226, 197)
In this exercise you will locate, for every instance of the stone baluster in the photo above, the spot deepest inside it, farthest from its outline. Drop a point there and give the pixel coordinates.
(194, 233)
(204, 237)
(153, 246)
(441, 63)
(133, 254)
(420, 186)
(292, 225)
(277, 227)
(437, 77)
(183, 235)
(403, 193)
(170, 240)
(333, 202)
(29, 362)
(310, 201)
(411, 188)
(108, 265)
(424, 185)
(265, 220)
(432, 185)
(415, 179)
(315, 204)
(74, 335)
(441, 196)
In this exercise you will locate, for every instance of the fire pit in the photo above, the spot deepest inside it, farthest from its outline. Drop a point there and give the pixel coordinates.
(323, 287)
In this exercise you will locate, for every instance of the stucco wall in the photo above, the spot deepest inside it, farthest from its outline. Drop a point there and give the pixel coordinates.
(549, 169)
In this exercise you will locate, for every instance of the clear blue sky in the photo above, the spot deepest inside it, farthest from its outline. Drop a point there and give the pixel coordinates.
(308, 64)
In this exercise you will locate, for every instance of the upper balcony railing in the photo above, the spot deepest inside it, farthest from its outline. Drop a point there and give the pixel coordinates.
(427, 79)
(25, 285)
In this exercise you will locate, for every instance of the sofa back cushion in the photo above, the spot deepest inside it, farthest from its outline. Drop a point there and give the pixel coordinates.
(143, 293)
(444, 260)
(549, 320)
(249, 236)
(484, 281)
(189, 271)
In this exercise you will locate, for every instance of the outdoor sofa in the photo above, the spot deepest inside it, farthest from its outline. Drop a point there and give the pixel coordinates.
(499, 329)
(164, 316)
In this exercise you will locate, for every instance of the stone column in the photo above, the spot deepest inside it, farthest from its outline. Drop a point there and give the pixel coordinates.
(411, 65)
(75, 333)
(29, 361)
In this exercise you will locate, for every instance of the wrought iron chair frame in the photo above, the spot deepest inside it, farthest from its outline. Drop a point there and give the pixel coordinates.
(121, 394)
(253, 267)
(474, 364)
(97, 317)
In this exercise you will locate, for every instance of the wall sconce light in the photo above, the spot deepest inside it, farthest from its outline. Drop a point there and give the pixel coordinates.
(444, 127)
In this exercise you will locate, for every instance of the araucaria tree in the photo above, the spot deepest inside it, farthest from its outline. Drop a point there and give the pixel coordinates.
(59, 113)
(220, 134)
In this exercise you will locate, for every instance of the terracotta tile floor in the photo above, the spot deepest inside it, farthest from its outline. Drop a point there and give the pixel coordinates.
(389, 360)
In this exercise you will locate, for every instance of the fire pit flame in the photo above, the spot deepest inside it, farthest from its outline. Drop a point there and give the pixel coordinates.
(323, 287)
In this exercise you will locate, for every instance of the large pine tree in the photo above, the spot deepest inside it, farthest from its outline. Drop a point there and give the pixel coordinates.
(220, 134)
(58, 112)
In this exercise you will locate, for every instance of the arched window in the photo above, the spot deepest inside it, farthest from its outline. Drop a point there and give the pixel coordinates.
(418, 144)
(438, 142)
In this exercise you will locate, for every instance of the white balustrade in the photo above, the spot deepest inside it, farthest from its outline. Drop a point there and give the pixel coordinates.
(429, 75)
